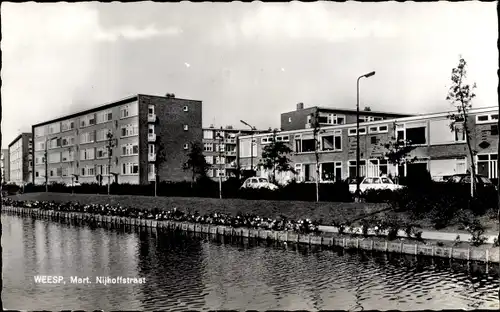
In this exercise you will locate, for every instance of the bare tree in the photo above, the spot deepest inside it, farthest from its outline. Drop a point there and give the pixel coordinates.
(317, 144)
(460, 95)
(111, 143)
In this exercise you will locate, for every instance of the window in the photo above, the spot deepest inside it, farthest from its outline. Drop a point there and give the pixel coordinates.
(378, 129)
(54, 158)
(151, 169)
(151, 129)
(208, 147)
(130, 149)
(186, 127)
(87, 137)
(332, 142)
(128, 110)
(55, 143)
(39, 132)
(67, 141)
(486, 118)
(352, 131)
(331, 171)
(67, 125)
(415, 134)
(289, 119)
(130, 169)
(487, 165)
(67, 156)
(308, 145)
(220, 147)
(209, 160)
(208, 134)
(298, 143)
(102, 169)
(87, 154)
(185, 108)
(40, 146)
(282, 138)
(151, 149)
(102, 134)
(88, 171)
(266, 140)
(104, 116)
(151, 110)
(374, 140)
(377, 167)
(352, 168)
(102, 152)
(494, 130)
(54, 128)
(369, 118)
(186, 146)
(130, 130)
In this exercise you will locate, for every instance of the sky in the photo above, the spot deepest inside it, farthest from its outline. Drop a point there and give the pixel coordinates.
(250, 61)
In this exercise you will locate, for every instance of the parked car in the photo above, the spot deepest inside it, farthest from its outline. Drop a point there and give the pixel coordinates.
(258, 183)
(481, 181)
(374, 183)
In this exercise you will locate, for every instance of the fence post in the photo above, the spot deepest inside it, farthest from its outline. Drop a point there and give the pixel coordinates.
(487, 256)
(433, 251)
(468, 254)
(371, 245)
(401, 248)
(357, 243)
(416, 249)
(451, 252)
(386, 246)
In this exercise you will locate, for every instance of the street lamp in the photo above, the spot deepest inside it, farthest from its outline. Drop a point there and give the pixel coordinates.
(357, 130)
(47, 164)
(220, 164)
(251, 143)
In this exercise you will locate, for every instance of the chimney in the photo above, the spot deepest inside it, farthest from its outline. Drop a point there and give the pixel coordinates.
(300, 106)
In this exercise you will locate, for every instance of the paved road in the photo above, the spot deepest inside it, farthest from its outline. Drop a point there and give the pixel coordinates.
(442, 236)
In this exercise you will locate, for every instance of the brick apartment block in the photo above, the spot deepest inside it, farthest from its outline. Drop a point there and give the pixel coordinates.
(140, 124)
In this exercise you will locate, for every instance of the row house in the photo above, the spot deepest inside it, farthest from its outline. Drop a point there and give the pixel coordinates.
(118, 142)
(20, 159)
(220, 150)
(438, 148)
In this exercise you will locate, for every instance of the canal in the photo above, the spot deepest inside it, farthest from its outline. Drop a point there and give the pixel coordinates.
(184, 272)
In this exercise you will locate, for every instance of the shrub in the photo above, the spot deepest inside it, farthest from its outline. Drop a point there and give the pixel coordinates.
(476, 229)
(379, 196)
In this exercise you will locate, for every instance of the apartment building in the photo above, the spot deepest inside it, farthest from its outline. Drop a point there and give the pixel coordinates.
(119, 141)
(438, 149)
(20, 159)
(220, 150)
(5, 165)
(301, 117)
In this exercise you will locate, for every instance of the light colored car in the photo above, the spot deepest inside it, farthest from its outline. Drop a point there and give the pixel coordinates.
(375, 183)
(257, 183)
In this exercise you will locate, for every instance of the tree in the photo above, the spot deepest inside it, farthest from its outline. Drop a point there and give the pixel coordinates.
(196, 162)
(398, 150)
(161, 156)
(275, 157)
(316, 130)
(460, 95)
(111, 143)
(367, 109)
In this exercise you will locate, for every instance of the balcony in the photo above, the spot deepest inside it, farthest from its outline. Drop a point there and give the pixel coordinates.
(151, 176)
(231, 165)
(151, 137)
(231, 153)
(231, 141)
(151, 117)
(151, 157)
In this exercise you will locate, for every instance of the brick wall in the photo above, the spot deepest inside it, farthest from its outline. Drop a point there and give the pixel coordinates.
(170, 133)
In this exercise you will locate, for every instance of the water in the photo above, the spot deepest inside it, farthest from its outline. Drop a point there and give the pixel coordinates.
(193, 273)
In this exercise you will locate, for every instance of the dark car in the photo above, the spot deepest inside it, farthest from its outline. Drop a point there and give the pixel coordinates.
(481, 181)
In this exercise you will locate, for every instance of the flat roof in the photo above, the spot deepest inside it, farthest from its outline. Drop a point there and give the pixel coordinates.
(104, 106)
(378, 122)
(348, 110)
(234, 129)
(19, 137)
(88, 111)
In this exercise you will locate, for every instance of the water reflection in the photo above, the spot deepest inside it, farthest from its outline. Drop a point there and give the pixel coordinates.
(184, 272)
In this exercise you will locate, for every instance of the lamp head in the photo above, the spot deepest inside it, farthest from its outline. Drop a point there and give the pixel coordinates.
(370, 74)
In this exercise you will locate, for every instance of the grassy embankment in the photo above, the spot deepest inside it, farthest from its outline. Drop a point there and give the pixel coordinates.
(328, 212)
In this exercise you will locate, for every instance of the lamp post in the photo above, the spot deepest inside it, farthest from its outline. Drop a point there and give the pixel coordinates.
(251, 143)
(220, 165)
(357, 131)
